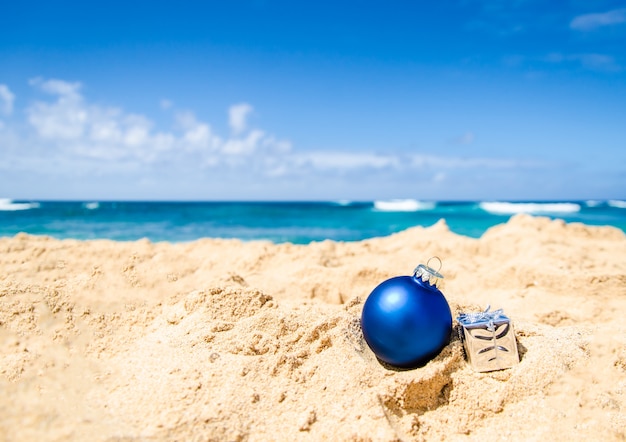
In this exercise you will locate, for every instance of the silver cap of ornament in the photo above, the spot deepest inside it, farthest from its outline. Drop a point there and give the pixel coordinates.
(428, 274)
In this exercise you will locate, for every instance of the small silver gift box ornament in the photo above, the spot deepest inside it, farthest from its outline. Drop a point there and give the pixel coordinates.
(489, 340)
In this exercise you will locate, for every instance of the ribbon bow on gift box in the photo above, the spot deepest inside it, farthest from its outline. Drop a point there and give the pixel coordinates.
(486, 316)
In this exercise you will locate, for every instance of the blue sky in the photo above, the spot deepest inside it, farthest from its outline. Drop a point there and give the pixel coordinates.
(266, 100)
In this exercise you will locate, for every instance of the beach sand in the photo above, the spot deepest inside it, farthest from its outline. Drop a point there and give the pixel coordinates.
(225, 340)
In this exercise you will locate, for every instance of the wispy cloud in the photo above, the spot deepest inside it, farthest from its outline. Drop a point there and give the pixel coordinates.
(591, 61)
(6, 100)
(594, 62)
(454, 162)
(57, 87)
(589, 22)
(466, 138)
(398, 163)
(343, 161)
(237, 116)
(597, 62)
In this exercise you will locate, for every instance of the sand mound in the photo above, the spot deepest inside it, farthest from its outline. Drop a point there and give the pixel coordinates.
(224, 340)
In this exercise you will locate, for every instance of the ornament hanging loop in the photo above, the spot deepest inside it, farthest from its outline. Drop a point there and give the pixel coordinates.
(438, 259)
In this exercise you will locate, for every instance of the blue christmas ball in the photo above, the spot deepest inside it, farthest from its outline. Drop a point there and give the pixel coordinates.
(406, 321)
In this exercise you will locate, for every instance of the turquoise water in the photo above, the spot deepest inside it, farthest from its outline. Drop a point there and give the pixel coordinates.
(296, 222)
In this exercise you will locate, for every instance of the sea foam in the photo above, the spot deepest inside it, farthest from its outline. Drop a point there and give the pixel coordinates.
(617, 203)
(512, 208)
(593, 203)
(403, 205)
(343, 202)
(8, 205)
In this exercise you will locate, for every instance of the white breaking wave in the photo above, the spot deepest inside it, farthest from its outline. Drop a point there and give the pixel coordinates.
(617, 203)
(92, 206)
(343, 202)
(511, 208)
(406, 205)
(8, 205)
(593, 203)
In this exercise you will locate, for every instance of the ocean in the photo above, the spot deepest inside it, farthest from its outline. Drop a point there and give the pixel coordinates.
(279, 222)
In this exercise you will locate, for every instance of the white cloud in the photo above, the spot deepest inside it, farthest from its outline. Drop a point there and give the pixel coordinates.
(244, 146)
(6, 100)
(594, 62)
(237, 116)
(439, 168)
(440, 162)
(197, 136)
(439, 177)
(70, 124)
(598, 62)
(466, 138)
(64, 119)
(57, 87)
(346, 160)
(166, 104)
(137, 131)
(106, 127)
(589, 22)
(591, 61)
(200, 137)
(277, 146)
